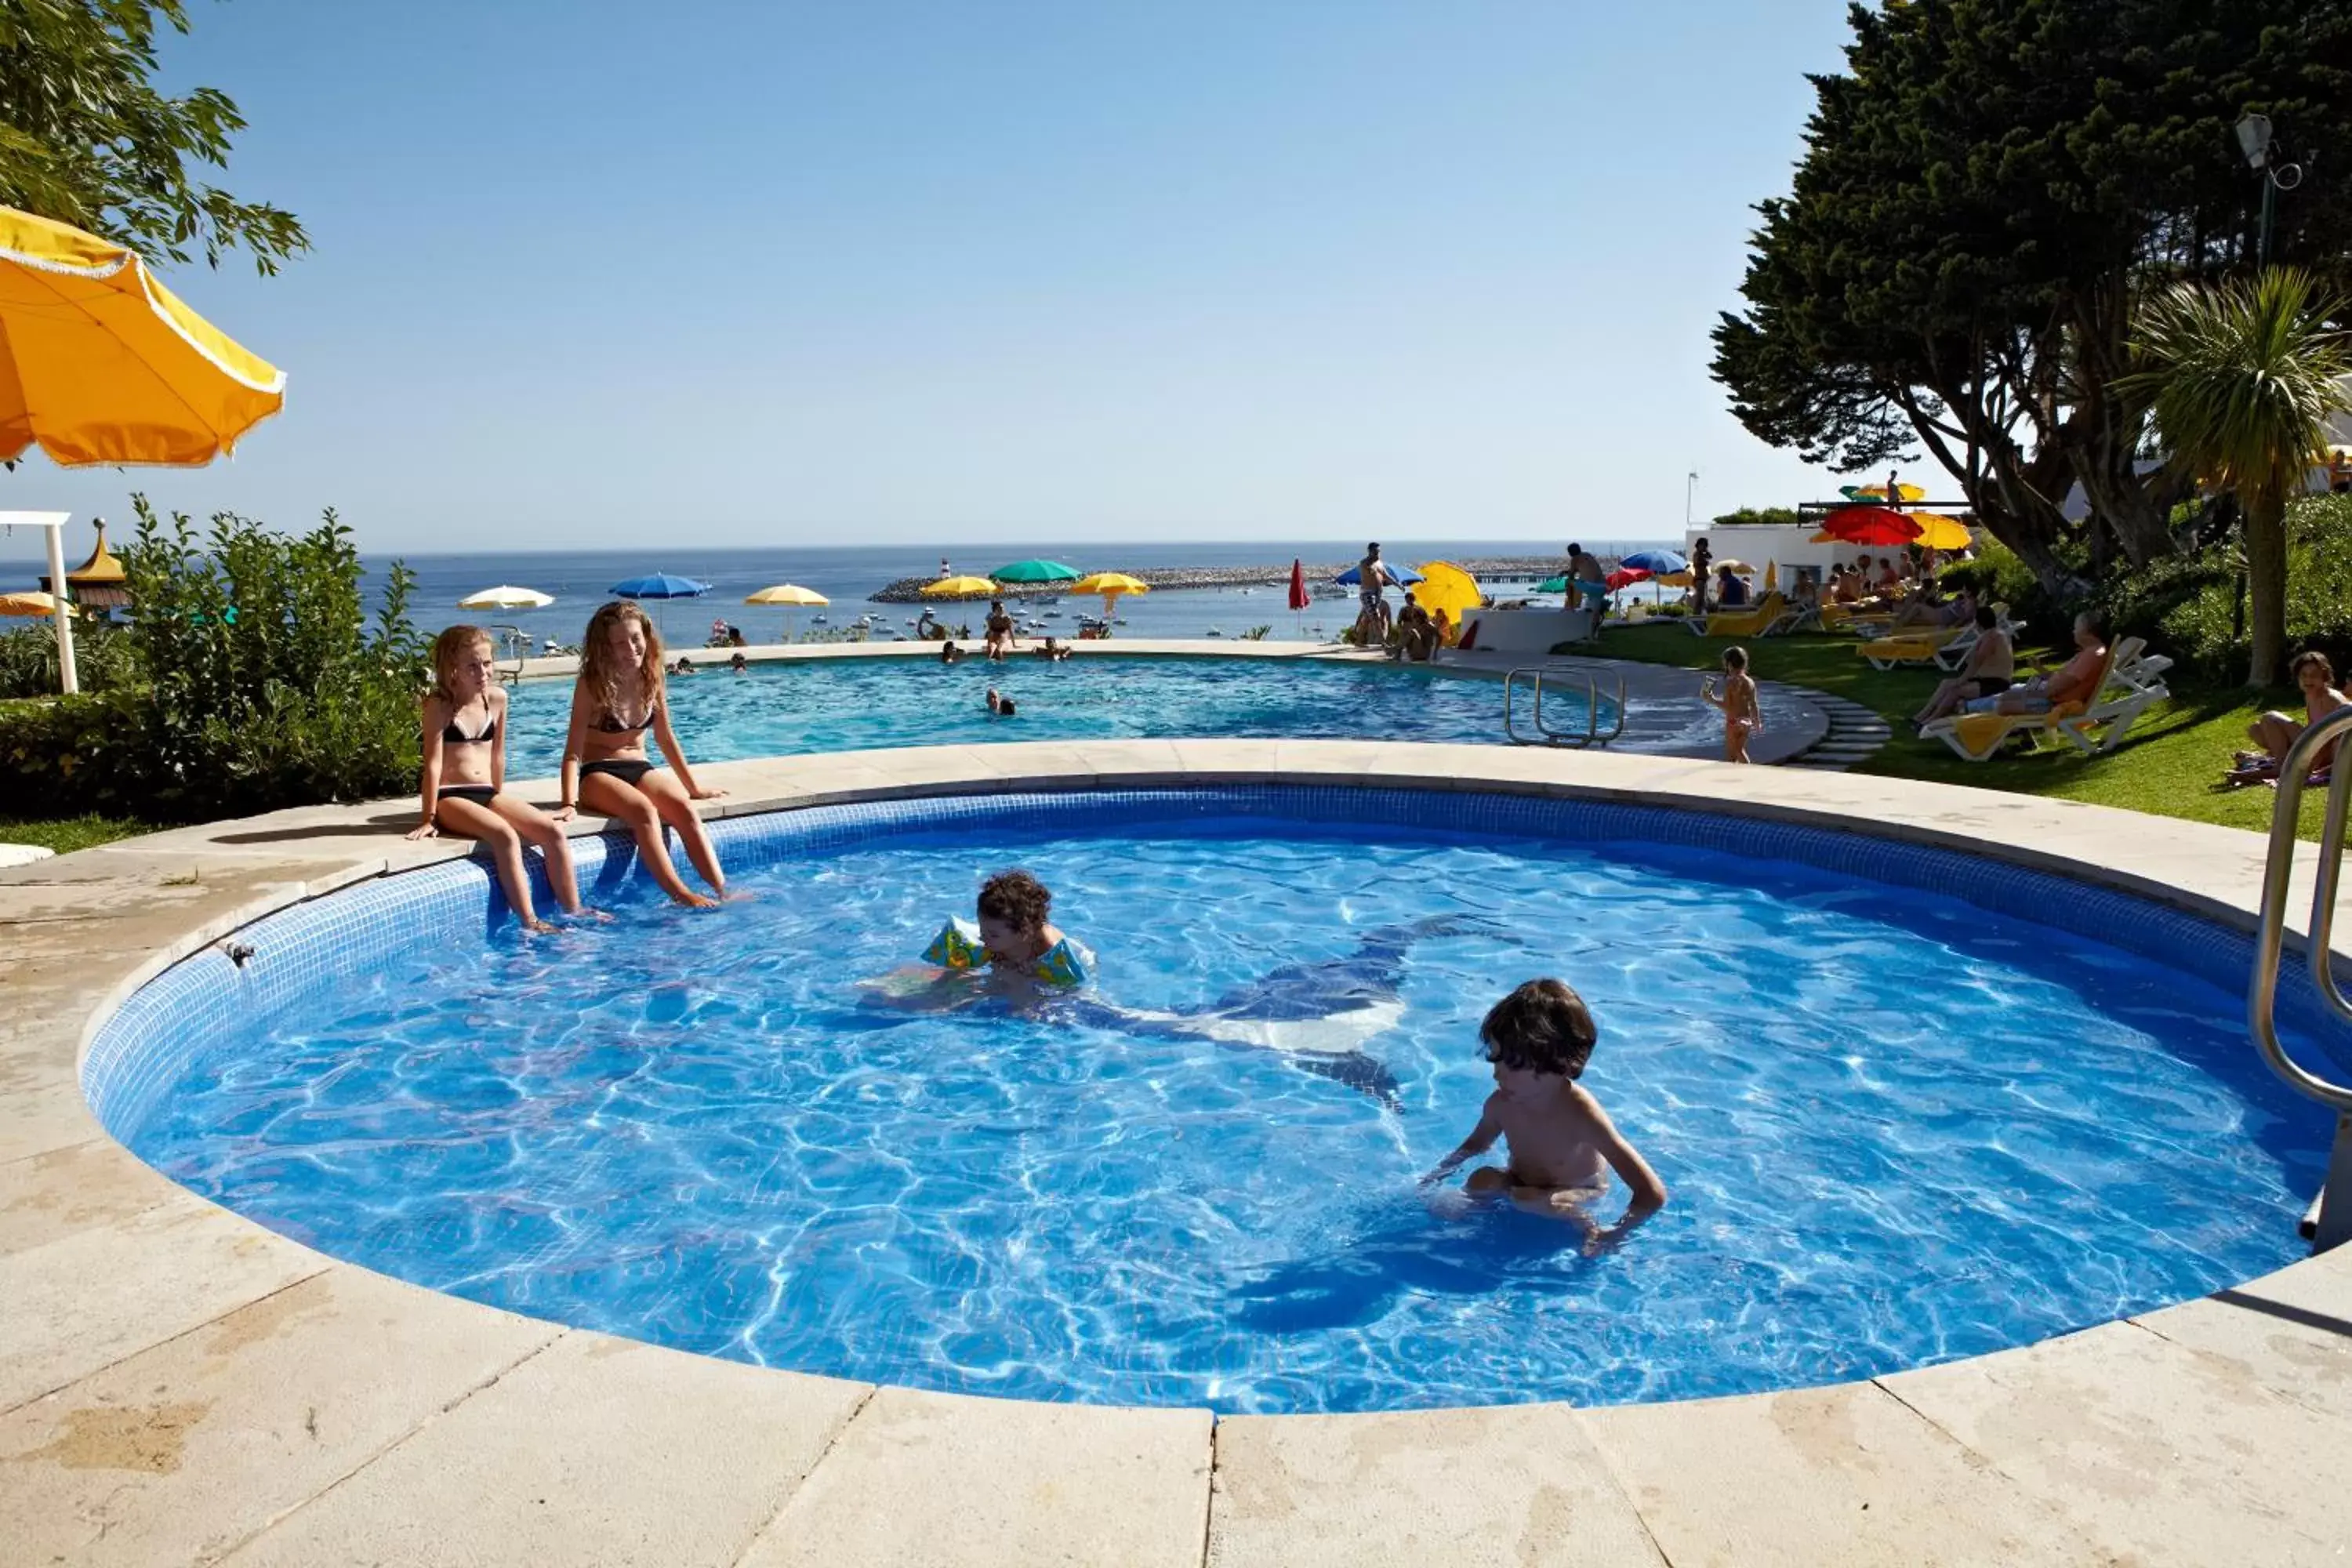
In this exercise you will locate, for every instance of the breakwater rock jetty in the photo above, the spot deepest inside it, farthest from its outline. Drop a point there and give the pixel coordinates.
(909, 590)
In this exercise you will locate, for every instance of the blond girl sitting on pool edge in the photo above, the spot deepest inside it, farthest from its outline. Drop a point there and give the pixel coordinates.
(463, 778)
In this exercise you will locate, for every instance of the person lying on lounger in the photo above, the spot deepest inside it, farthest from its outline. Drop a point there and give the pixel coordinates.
(2077, 680)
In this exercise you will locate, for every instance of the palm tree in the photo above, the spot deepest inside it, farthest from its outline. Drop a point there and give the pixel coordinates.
(2242, 380)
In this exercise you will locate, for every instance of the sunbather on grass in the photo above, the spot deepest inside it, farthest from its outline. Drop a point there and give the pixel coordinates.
(2275, 732)
(1991, 669)
(2077, 680)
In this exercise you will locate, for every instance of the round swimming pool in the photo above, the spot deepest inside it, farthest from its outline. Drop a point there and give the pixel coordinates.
(795, 706)
(1911, 1106)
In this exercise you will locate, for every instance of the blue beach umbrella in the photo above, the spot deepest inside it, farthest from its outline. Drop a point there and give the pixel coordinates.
(1657, 562)
(660, 586)
(1405, 574)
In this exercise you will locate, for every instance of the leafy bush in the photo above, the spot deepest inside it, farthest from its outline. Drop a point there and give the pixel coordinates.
(2188, 605)
(104, 659)
(270, 687)
(1748, 516)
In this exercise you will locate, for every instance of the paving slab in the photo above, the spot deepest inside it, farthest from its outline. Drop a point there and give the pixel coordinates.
(179, 1452)
(2291, 1331)
(594, 1451)
(2158, 1451)
(1515, 1485)
(83, 1302)
(81, 1187)
(1822, 1477)
(946, 1480)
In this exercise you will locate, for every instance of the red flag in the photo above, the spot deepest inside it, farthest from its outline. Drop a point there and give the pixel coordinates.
(1298, 600)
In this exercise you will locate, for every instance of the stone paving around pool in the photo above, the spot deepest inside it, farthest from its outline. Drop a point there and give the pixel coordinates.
(179, 1386)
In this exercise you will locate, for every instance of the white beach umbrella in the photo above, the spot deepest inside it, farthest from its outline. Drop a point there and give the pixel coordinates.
(506, 597)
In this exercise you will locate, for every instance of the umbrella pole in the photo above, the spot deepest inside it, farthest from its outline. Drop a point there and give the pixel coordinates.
(68, 679)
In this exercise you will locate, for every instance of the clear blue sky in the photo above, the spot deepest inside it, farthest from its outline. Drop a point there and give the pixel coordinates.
(833, 272)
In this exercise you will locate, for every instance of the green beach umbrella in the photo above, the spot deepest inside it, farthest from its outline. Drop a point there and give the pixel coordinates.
(1553, 585)
(1036, 572)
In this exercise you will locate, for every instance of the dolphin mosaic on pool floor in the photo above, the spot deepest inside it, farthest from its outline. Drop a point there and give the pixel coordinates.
(179, 1386)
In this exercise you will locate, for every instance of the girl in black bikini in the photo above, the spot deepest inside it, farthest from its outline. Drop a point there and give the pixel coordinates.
(465, 775)
(620, 696)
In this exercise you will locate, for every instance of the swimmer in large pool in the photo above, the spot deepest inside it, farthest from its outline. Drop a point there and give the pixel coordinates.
(1562, 1144)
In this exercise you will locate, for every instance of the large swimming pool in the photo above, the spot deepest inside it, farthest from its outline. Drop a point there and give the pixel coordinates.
(1908, 1111)
(846, 704)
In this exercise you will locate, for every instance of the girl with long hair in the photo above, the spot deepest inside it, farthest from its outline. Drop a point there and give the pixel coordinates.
(464, 786)
(619, 698)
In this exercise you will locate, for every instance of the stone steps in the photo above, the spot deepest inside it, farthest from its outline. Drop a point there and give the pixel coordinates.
(1855, 733)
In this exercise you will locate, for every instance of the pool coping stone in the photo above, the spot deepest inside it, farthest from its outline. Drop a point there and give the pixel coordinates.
(156, 1348)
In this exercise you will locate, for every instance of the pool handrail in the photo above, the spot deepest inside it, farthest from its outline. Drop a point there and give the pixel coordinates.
(2332, 1224)
(1545, 735)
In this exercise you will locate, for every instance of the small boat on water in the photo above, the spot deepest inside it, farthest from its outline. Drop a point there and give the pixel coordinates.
(1216, 631)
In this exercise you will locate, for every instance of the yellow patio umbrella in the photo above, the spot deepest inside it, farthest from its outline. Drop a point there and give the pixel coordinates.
(789, 594)
(1447, 587)
(1937, 531)
(958, 587)
(32, 602)
(1771, 575)
(1110, 585)
(1902, 491)
(1825, 537)
(102, 363)
(1736, 568)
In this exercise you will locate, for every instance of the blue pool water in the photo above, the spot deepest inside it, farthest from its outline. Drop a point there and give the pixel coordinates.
(830, 705)
(1897, 1127)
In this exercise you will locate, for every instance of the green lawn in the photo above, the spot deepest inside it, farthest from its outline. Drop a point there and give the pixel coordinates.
(72, 833)
(2166, 767)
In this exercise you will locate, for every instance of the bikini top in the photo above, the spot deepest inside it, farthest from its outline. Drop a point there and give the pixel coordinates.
(608, 723)
(453, 736)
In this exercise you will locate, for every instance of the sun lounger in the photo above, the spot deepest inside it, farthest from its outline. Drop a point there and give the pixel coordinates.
(2128, 686)
(1758, 622)
(1919, 646)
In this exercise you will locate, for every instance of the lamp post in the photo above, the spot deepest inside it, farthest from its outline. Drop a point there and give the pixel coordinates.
(2255, 140)
(1690, 489)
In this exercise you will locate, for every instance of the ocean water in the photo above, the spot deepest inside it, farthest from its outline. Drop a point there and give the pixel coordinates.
(1896, 1129)
(580, 581)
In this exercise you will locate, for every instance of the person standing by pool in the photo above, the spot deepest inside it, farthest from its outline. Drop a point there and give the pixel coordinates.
(619, 696)
(1372, 579)
(1741, 715)
(464, 773)
(1700, 555)
(1588, 584)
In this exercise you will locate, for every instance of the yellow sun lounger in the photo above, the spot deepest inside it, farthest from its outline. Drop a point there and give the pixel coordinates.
(1760, 621)
(1919, 646)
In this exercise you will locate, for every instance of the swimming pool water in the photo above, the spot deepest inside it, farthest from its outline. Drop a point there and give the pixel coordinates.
(1897, 1127)
(789, 707)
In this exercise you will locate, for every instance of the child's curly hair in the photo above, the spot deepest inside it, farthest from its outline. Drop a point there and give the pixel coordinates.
(1017, 898)
(1543, 1026)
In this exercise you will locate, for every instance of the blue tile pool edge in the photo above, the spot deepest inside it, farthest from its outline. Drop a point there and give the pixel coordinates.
(162, 1017)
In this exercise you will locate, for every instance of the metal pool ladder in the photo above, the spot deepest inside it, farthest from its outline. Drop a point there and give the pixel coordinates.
(1544, 734)
(2329, 1223)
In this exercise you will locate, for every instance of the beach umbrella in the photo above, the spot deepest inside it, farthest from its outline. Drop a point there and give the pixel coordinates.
(790, 594)
(957, 588)
(1036, 572)
(1771, 575)
(1655, 562)
(1874, 525)
(1736, 568)
(31, 603)
(1110, 585)
(1354, 575)
(99, 364)
(102, 363)
(658, 586)
(1878, 492)
(1447, 587)
(1937, 531)
(1626, 576)
(1299, 597)
(507, 597)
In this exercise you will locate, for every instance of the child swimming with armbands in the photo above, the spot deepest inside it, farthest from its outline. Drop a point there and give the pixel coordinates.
(1013, 936)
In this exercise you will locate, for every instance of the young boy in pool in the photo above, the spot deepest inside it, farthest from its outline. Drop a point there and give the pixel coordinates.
(1014, 941)
(1539, 1038)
